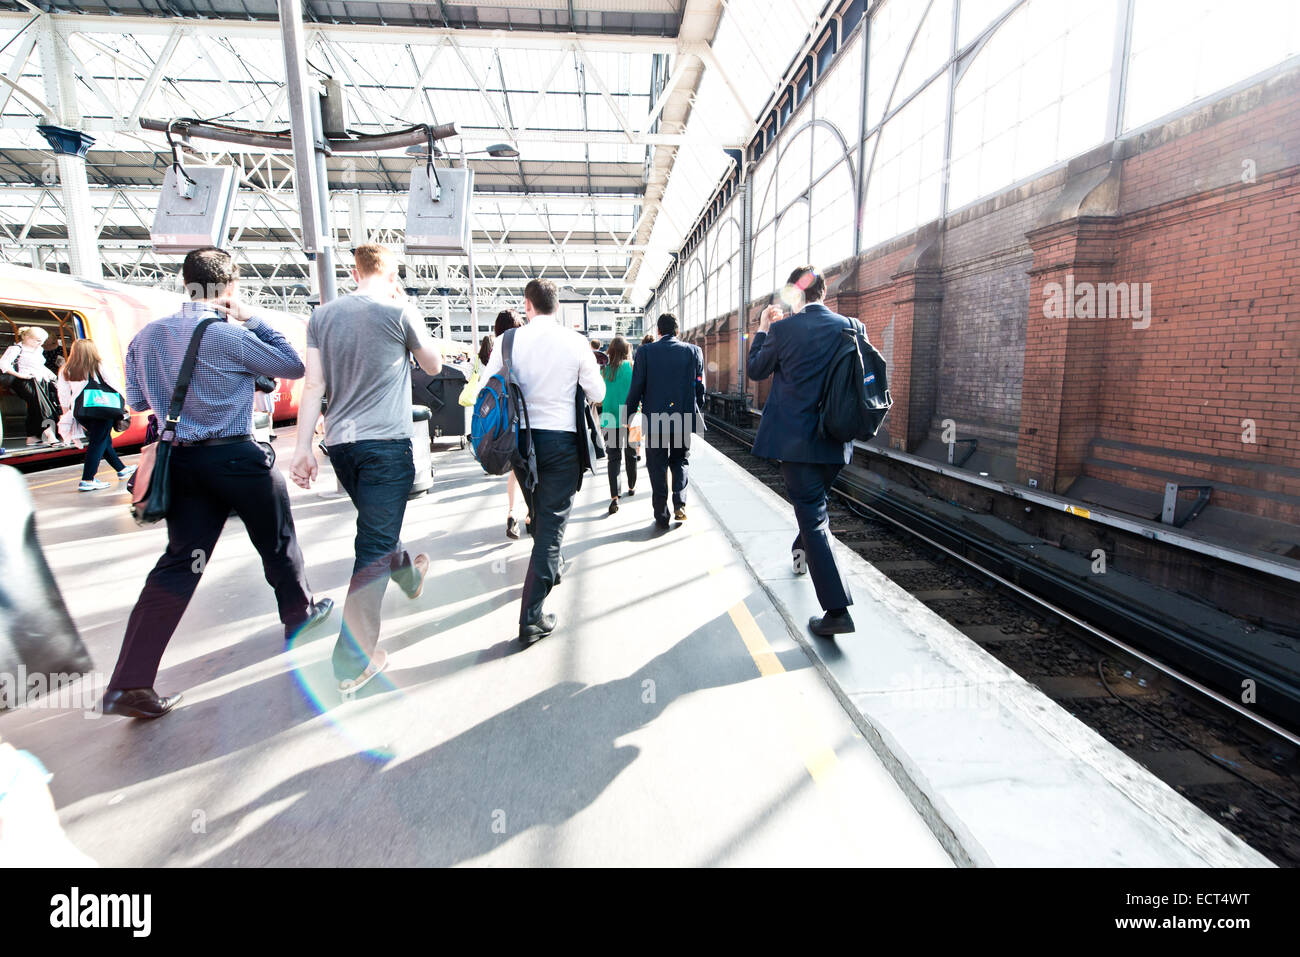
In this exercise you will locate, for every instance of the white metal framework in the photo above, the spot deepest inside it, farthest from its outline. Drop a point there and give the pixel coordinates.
(927, 106)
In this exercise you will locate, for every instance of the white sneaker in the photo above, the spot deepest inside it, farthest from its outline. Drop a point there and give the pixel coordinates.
(94, 485)
(127, 472)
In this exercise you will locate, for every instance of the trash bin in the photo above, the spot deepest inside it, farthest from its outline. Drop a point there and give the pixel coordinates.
(421, 452)
(441, 393)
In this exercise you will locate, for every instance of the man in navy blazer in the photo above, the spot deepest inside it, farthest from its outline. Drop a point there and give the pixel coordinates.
(796, 352)
(668, 383)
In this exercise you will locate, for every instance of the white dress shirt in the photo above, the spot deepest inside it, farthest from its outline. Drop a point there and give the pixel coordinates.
(550, 362)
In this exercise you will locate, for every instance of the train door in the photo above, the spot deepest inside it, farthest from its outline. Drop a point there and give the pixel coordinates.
(62, 327)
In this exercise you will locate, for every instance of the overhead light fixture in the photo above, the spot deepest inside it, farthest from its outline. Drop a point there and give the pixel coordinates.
(422, 149)
(502, 151)
(68, 142)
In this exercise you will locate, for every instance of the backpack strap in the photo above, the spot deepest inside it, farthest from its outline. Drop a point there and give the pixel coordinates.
(168, 431)
(507, 341)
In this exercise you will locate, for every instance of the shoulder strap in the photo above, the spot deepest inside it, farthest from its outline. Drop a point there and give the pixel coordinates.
(507, 338)
(183, 379)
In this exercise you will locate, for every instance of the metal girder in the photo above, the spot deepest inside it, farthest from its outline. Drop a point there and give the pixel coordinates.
(590, 70)
(22, 53)
(155, 76)
(270, 30)
(615, 137)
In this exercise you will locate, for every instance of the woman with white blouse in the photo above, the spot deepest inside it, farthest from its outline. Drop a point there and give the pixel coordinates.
(97, 434)
(25, 360)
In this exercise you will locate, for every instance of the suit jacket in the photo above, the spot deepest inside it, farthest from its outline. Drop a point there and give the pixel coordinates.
(797, 353)
(668, 385)
(591, 442)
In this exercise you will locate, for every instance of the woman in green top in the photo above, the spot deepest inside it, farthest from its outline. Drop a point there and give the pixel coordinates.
(613, 418)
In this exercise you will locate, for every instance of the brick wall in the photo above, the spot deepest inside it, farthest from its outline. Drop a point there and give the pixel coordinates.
(1207, 211)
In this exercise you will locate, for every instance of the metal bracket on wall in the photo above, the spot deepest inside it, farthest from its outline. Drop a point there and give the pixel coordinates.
(1169, 513)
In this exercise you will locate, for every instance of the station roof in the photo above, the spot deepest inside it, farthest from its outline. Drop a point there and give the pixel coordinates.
(620, 110)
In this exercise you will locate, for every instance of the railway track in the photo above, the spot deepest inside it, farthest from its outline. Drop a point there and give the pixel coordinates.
(1240, 771)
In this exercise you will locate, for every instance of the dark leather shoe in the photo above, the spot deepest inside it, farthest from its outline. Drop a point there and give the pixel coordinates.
(613, 506)
(138, 703)
(828, 625)
(319, 612)
(662, 522)
(530, 634)
(680, 513)
(512, 527)
(631, 490)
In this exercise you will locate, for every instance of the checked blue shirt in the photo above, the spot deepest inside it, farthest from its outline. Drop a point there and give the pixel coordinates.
(220, 400)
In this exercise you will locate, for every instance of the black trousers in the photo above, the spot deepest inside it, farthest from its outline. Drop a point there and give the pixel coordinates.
(616, 439)
(208, 483)
(808, 485)
(42, 406)
(549, 502)
(659, 462)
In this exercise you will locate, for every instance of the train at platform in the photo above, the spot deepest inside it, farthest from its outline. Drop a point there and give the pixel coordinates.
(110, 314)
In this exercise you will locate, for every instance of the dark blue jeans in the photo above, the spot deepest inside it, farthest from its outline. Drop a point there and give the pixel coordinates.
(558, 475)
(377, 475)
(99, 445)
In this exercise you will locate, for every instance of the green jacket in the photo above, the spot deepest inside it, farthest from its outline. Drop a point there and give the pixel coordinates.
(613, 412)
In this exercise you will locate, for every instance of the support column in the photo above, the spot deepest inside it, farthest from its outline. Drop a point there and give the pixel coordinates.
(746, 200)
(357, 233)
(305, 124)
(1074, 254)
(61, 130)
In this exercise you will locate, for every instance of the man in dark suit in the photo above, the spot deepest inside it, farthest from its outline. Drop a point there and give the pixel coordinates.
(668, 385)
(796, 351)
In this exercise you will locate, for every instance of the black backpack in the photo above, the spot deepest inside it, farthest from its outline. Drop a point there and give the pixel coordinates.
(855, 396)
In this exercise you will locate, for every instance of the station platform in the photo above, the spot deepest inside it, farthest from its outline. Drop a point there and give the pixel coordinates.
(680, 714)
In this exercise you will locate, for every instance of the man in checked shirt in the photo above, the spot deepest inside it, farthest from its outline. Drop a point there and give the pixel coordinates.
(216, 469)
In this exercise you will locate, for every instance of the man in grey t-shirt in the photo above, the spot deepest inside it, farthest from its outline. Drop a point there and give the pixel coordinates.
(358, 354)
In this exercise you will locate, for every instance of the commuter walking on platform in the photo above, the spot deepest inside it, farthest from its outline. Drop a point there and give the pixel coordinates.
(83, 367)
(796, 353)
(550, 363)
(506, 319)
(358, 353)
(216, 468)
(668, 386)
(614, 419)
(25, 361)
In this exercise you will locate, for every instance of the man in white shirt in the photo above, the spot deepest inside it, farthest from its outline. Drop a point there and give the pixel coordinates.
(550, 364)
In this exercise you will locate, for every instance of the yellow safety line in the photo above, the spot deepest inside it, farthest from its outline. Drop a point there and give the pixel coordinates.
(33, 488)
(820, 760)
(755, 641)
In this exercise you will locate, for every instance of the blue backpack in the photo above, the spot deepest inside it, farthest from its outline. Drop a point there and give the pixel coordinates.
(500, 419)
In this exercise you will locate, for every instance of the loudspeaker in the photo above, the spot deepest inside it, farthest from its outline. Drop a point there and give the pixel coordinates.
(439, 227)
(193, 215)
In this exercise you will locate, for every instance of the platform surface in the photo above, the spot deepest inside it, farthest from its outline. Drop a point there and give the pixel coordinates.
(1004, 775)
(671, 720)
